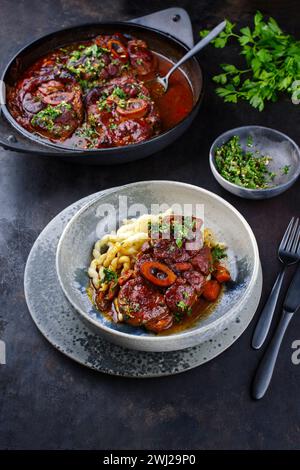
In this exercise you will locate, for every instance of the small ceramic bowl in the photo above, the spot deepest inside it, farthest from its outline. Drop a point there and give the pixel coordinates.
(97, 217)
(268, 142)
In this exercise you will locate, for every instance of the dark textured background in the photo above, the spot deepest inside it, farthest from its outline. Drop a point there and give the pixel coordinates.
(48, 401)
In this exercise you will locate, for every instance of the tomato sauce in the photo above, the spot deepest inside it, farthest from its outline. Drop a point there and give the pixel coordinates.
(200, 310)
(177, 102)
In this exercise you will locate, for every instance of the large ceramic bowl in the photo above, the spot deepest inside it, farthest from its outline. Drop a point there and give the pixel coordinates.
(77, 240)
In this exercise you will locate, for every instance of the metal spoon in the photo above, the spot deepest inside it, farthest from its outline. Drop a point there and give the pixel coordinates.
(164, 81)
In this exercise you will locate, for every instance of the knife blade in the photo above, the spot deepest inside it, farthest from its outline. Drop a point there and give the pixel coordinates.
(292, 298)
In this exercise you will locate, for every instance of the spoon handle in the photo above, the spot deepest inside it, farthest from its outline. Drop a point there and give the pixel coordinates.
(213, 33)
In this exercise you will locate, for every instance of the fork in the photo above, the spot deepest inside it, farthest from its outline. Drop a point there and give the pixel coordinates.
(288, 254)
(164, 81)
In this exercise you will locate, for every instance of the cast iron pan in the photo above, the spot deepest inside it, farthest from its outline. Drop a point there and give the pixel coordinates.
(14, 137)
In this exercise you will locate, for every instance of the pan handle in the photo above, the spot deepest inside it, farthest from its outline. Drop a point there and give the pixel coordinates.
(173, 21)
(11, 139)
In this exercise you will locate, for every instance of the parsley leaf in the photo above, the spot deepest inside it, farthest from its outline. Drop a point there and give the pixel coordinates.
(179, 242)
(184, 308)
(285, 169)
(181, 304)
(110, 275)
(120, 93)
(218, 253)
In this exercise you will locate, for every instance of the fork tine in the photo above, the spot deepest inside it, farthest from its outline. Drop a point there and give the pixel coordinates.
(292, 236)
(296, 240)
(286, 234)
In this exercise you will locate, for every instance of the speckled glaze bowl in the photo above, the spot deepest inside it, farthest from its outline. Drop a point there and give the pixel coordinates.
(77, 240)
(269, 142)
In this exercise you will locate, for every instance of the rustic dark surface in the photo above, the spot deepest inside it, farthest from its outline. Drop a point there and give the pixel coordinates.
(48, 401)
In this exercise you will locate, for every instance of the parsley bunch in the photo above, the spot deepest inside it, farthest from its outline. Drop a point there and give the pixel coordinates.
(272, 63)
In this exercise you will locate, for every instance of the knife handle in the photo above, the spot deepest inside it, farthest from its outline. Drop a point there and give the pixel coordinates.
(265, 369)
(266, 316)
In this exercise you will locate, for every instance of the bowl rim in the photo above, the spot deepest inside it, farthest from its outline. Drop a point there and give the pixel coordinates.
(167, 338)
(262, 191)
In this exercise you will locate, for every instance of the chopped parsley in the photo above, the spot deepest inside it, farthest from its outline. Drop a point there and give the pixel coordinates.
(184, 307)
(189, 222)
(244, 168)
(272, 175)
(109, 275)
(177, 316)
(130, 309)
(285, 169)
(122, 103)
(75, 55)
(92, 50)
(86, 131)
(103, 104)
(47, 116)
(249, 141)
(158, 227)
(218, 253)
(179, 242)
(181, 305)
(119, 93)
(87, 60)
(183, 231)
(85, 84)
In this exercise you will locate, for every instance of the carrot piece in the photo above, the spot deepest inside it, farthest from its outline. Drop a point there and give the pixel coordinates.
(221, 274)
(211, 290)
(112, 290)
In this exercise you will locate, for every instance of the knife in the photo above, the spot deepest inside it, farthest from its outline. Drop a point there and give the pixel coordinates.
(265, 369)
